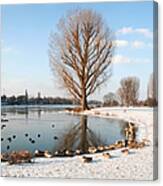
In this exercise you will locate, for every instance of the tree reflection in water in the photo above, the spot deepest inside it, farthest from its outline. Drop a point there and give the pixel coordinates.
(80, 137)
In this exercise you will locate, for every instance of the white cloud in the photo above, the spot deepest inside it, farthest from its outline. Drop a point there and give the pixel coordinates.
(138, 44)
(134, 44)
(125, 30)
(129, 30)
(121, 43)
(117, 59)
(144, 31)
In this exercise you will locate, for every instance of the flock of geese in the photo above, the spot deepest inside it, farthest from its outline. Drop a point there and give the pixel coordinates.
(124, 145)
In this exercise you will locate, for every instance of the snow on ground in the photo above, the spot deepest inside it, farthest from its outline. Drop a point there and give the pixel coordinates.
(138, 165)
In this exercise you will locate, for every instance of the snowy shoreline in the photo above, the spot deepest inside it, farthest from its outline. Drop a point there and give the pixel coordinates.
(138, 165)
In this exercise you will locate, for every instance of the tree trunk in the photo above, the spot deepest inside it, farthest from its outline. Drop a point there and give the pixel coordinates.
(84, 104)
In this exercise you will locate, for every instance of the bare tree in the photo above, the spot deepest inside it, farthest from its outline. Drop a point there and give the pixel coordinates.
(81, 53)
(129, 91)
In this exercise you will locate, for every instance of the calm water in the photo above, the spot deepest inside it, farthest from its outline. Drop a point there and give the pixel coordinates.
(45, 128)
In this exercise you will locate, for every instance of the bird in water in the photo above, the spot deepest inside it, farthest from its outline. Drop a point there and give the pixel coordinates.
(9, 139)
(55, 137)
(26, 135)
(33, 141)
(53, 125)
(14, 136)
(2, 127)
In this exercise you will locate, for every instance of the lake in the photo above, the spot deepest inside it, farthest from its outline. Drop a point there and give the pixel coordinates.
(48, 128)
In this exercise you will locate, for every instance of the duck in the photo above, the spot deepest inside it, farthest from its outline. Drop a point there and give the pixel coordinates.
(92, 150)
(106, 155)
(86, 159)
(125, 152)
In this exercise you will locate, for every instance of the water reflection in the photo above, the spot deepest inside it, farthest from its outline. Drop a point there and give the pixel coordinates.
(80, 137)
(32, 129)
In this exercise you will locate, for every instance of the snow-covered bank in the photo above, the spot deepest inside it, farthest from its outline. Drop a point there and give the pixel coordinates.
(138, 165)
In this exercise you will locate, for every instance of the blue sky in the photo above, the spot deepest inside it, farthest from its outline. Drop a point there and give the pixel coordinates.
(25, 32)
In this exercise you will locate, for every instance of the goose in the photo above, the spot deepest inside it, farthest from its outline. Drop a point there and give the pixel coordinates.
(119, 144)
(141, 144)
(132, 144)
(106, 155)
(106, 147)
(92, 150)
(4, 157)
(39, 153)
(56, 153)
(146, 141)
(68, 153)
(125, 152)
(47, 154)
(111, 147)
(85, 159)
(101, 148)
(78, 152)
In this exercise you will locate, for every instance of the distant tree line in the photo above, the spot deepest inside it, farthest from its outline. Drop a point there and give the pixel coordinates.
(23, 100)
(128, 95)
